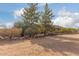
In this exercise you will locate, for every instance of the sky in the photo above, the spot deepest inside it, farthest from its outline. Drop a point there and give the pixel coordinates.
(66, 14)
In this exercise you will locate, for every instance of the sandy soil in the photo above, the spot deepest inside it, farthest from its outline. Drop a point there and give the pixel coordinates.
(46, 46)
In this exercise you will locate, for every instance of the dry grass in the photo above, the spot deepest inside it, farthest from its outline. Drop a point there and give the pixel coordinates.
(50, 45)
(10, 32)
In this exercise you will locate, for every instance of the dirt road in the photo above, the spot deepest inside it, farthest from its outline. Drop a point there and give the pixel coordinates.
(47, 46)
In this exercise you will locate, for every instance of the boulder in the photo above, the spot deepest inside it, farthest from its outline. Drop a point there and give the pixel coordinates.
(1, 37)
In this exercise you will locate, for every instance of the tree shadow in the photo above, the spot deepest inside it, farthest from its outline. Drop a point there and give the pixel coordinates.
(11, 41)
(67, 38)
(57, 45)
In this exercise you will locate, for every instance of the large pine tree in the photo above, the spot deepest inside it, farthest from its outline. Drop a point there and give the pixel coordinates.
(30, 14)
(30, 18)
(46, 19)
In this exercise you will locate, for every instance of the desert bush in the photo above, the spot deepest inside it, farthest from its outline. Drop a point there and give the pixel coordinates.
(67, 30)
(63, 30)
(14, 32)
(10, 32)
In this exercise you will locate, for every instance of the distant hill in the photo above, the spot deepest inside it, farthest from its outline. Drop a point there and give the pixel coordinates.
(2, 26)
(58, 27)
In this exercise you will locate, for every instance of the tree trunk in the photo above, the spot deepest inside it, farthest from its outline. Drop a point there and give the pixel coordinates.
(22, 33)
(45, 32)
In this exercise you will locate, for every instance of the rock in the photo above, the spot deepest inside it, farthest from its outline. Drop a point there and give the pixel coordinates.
(15, 38)
(6, 37)
(1, 37)
(21, 38)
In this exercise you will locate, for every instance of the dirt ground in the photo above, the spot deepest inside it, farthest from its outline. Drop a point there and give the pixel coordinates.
(67, 45)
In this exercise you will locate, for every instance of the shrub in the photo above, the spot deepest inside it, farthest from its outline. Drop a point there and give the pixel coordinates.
(67, 30)
(10, 32)
(64, 30)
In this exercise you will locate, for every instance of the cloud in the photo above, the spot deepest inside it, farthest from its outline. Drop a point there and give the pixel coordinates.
(41, 4)
(18, 13)
(64, 21)
(67, 19)
(64, 13)
(64, 18)
(6, 25)
(76, 25)
(9, 24)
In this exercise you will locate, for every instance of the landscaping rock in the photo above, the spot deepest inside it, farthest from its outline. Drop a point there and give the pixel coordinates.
(1, 37)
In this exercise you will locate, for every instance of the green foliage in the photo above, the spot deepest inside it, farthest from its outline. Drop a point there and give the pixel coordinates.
(46, 19)
(29, 21)
(31, 31)
(64, 30)
(30, 14)
(33, 22)
(68, 30)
